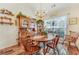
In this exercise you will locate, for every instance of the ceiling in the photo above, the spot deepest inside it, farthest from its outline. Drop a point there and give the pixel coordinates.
(30, 8)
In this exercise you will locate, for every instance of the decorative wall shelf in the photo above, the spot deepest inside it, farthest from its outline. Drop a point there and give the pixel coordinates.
(4, 17)
(6, 23)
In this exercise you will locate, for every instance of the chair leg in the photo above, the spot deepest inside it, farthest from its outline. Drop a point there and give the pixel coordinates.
(54, 51)
(46, 49)
(57, 50)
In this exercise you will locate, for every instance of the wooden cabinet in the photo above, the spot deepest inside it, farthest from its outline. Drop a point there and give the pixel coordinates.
(23, 25)
(24, 35)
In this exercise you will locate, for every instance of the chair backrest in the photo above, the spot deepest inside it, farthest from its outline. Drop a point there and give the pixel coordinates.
(56, 39)
(74, 36)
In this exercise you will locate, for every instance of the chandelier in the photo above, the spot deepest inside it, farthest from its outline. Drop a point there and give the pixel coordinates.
(40, 14)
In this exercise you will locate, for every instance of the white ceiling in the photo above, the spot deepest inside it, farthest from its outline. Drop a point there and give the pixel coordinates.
(30, 8)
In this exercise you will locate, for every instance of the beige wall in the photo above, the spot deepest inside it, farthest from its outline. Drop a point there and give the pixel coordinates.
(8, 33)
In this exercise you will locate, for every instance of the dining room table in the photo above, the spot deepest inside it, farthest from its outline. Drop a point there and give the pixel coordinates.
(41, 39)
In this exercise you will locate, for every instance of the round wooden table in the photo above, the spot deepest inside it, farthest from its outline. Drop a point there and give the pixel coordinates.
(42, 39)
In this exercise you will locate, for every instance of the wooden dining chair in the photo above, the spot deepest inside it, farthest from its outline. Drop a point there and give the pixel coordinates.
(53, 44)
(30, 47)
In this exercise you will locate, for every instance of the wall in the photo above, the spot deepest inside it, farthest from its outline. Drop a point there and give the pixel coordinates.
(8, 33)
(8, 36)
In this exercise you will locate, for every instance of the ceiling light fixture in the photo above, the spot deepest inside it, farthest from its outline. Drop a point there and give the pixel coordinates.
(40, 14)
(54, 5)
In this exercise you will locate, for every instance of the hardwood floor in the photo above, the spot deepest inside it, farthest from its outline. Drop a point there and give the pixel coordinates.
(13, 50)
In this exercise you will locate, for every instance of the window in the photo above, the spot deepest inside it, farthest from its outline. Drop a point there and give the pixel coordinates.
(57, 25)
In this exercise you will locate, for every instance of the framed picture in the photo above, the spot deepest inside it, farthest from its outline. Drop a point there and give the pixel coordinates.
(73, 21)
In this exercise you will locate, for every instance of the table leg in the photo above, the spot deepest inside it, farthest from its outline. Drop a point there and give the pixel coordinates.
(44, 51)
